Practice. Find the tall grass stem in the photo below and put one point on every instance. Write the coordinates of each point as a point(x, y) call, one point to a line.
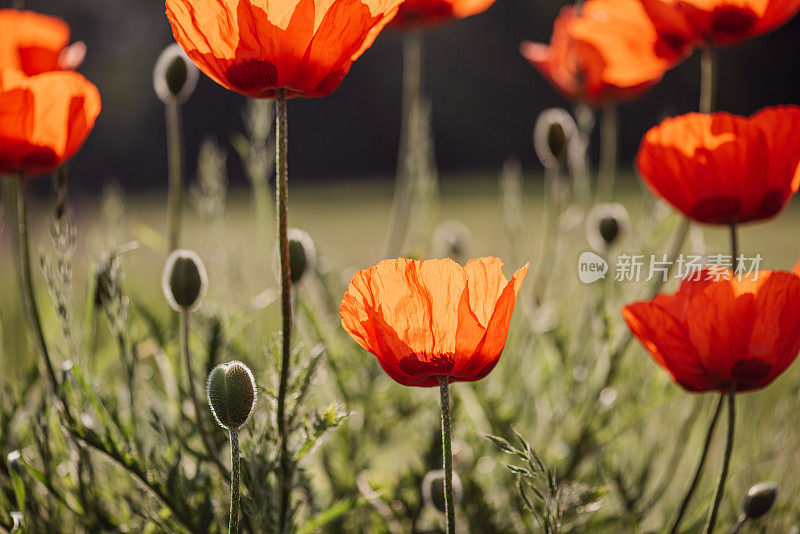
point(28, 296)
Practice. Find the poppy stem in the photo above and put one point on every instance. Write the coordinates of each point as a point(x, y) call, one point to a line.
point(404, 181)
point(447, 455)
point(609, 124)
point(183, 319)
point(28, 297)
point(712, 516)
point(708, 73)
point(175, 189)
point(282, 200)
point(734, 248)
point(700, 464)
point(233, 525)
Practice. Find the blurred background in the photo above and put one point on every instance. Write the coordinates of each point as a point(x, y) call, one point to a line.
point(485, 97)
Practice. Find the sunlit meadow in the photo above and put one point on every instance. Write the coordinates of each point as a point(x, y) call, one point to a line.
point(609, 347)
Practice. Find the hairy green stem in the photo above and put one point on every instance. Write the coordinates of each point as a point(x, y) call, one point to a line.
point(404, 181)
point(734, 248)
point(700, 464)
point(708, 73)
point(282, 200)
point(28, 297)
point(233, 526)
point(447, 455)
point(183, 320)
point(723, 475)
point(609, 125)
point(175, 191)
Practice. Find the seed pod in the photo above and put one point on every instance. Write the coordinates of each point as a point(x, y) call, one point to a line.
point(759, 500)
point(184, 280)
point(452, 239)
point(231, 393)
point(554, 130)
point(433, 489)
point(174, 76)
point(302, 255)
point(606, 224)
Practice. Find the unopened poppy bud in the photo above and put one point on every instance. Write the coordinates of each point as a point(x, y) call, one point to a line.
point(433, 489)
point(606, 224)
point(452, 239)
point(302, 255)
point(231, 392)
point(759, 500)
point(184, 280)
point(13, 461)
point(174, 76)
point(551, 136)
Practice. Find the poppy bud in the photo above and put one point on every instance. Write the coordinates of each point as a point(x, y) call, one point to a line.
point(433, 489)
point(759, 500)
point(231, 392)
point(103, 284)
point(452, 239)
point(13, 461)
point(605, 225)
point(551, 136)
point(184, 280)
point(302, 255)
point(174, 76)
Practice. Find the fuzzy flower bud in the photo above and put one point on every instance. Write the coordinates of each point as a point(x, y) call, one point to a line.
point(184, 280)
point(302, 255)
point(551, 136)
point(606, 224)
point(759, 500)
point(452, 239)
point(174, 76)
point(231, 392)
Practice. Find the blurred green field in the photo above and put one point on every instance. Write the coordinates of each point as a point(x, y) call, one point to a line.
point(645, 426)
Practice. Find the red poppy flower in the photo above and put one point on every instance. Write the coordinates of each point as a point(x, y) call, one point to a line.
point(719, 22)
point(253, 48)
point(44, 119)
point(419, 13)
point(425, 319)
point(609, 52)
point(35, 43)
point(713, 333)
point(721, 168)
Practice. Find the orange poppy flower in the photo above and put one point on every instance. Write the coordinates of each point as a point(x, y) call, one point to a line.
point(719, 22)
point(44, 119)
point(609, 51)
point(721, 168)
point(420, 13)
point(425, 319)
point(713, 333)
point(254, 47)
point(35, 43)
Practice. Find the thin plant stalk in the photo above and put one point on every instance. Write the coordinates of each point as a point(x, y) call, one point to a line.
point(183, 320)
point(175, 155)
point(700, 465)
point(734, 247)
point(609, 126)
point(708, 73)
point(28, 297)
point(282, 200)
point(233, 525)
point(447, 456)
point(723, 475)
point(404, 182)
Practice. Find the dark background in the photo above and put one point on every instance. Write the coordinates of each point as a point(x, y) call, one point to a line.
point(485, 95)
